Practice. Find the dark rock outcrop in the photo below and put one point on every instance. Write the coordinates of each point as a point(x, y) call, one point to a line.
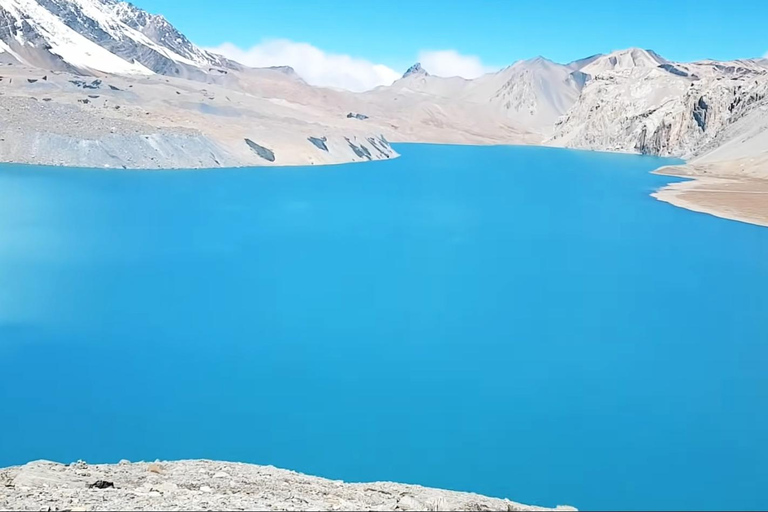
point(361, 151)
point(96, 84)
point(265, 153)
point(672, 69)
point(700, 112)
point(101, 484)
point(319, 143)
point(416, 69)
point(380, 145)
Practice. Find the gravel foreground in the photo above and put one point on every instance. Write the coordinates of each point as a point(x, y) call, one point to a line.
point(208, 485)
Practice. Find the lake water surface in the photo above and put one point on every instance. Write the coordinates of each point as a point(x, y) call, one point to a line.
point(519, 322)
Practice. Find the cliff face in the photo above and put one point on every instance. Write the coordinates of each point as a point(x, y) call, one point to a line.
point(207, 485)
point(681, 110)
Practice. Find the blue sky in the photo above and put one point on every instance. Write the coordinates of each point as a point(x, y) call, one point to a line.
point(393, 33)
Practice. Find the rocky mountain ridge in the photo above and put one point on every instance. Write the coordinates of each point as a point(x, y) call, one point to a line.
point(416, 69)
point(529, 95)
point(168, 96)
point(622, 60)
point(631, 100)
point(107, 36)
point(671, 109)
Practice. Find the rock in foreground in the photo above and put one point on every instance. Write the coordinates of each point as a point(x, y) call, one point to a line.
point(207, 485)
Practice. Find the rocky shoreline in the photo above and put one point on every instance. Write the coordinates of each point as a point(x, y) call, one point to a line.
point(210, 485)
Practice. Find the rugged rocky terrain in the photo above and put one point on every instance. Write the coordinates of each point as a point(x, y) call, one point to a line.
point(163, 102)
point(60, 118)
point(713, 114)
point(207, 485)
point(528, 96)
point(667, 109)
point(101, 83)
point(107, 36)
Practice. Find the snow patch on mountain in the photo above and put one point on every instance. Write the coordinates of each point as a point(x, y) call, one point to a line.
point(28, 29)
point(106, 36)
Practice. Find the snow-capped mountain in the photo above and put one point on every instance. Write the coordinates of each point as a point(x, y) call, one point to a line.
point(107, 36)
point(629, 100)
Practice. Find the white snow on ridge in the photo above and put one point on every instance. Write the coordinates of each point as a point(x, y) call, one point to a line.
point(124, 11)
point(117, 22)
point(94, 11)
point(108, 20)
point(72, 47)
point(144, 40)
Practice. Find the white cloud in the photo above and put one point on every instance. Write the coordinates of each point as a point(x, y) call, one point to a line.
point(451, 63)
point(313, 64)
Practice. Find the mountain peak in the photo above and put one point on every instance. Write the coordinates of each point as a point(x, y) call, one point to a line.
point(107, 36)
point(416, 69)
point(579, 64)
point(288, 70)
point(540, 59)
point(624, 59)
point(538, 62)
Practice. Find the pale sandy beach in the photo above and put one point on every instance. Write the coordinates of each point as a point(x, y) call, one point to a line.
point(742, 198)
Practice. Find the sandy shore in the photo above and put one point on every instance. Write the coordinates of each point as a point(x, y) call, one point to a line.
point(209, 485)
point(734, 198)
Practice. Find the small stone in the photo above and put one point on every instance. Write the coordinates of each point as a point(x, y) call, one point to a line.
point(125, 462)
point(408, 502)
point(101, 484)
point(167, 487)
point(155, 468)
point(221, 474)
point(205, 488)
point(146, 487)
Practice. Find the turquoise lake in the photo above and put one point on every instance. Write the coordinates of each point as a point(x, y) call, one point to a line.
point(514, 321)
